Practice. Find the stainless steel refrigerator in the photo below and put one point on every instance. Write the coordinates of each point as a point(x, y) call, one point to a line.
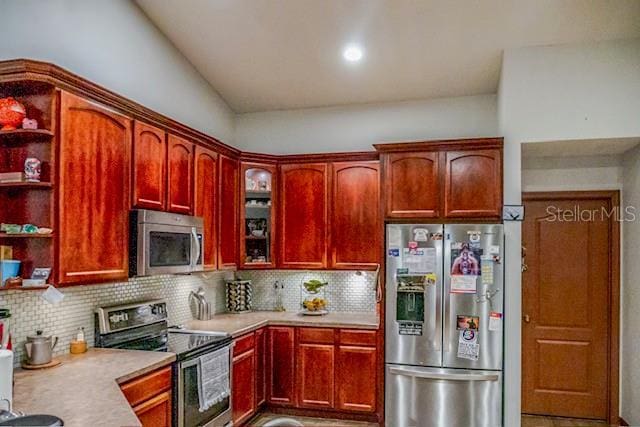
point(444, 325)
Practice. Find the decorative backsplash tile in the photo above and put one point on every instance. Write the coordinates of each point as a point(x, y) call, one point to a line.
point(346, 290)
point(30, 312)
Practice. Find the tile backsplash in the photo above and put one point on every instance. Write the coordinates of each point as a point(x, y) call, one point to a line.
point(29, 311)
point(347, 291)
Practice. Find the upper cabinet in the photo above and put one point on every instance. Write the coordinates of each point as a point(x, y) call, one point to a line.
point(180, 175)
point(355, 215)
point(473, 184)
point(206, 193)
point(412, 185)
point(257, 215)
point(149, 166)
point(303, 215)
point(94, 198)
point(228, 212)
point(455, 179)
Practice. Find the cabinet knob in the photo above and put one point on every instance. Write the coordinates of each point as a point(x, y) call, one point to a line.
point(526, 318)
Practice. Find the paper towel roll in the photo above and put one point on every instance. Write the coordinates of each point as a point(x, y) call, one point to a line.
point(6, 378)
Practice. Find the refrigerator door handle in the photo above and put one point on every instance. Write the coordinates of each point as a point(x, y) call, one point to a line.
point(439, 376)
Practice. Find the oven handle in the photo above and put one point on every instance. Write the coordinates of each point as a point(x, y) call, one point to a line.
point(196, 242)
point(440, 376)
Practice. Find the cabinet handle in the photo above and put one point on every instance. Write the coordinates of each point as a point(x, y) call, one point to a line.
point(526, 318)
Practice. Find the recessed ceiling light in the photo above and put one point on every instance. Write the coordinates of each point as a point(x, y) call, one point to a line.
point(353, 53)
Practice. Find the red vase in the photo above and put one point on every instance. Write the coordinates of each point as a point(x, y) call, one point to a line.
point(11, 113)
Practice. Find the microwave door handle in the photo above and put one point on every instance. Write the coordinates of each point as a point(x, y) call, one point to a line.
point(196, 242)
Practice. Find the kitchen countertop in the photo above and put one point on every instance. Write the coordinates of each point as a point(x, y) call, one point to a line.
point(84, 390)
point(239, 324)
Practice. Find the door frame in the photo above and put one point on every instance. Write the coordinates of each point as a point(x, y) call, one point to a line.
point(613, 362)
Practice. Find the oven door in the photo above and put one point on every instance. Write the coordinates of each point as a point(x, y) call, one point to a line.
point(168, 249)
point(189, 414)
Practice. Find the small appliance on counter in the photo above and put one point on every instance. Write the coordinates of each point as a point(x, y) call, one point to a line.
point(239, 293)
point(202, 306)
point(39, 351)
point(6, 379)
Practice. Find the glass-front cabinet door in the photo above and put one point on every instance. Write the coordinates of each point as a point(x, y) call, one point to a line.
point(257, 215)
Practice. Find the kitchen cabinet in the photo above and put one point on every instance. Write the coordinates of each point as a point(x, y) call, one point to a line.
point(355, 215)
point(281, 362)
point(94, 198)
point(244, 380)
point(150, 397)
point(261, 365)
point(303, 215)
point(206, 195)
point(149, 166)
point(452, 179)
point(180, 175)
point(228, 212)
point(315, 354)
point(257, 215)
point(357, 377)
point(473, 183)
point(412, 185)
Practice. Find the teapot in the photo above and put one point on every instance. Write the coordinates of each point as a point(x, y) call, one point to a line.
point(39, 348)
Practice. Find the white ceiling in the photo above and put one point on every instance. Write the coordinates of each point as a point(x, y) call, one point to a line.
point(282, 54)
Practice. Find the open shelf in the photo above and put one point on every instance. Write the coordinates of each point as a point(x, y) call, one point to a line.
point(255, 237)
point(43, 185)
point(251, 194)
point(25, 236)
point(23, 288)
point(26, 135)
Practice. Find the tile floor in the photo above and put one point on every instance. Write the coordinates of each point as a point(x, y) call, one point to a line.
point(536, 421)
point(527, 421)
point(263, 418)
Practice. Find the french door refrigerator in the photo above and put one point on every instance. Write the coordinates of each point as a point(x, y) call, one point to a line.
point(443, 333)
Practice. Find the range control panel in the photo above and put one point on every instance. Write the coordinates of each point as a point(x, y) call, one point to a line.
point(117, 318)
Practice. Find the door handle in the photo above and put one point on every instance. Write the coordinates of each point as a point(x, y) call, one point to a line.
point(526, 318)
point(196, 242)
point(441, 376)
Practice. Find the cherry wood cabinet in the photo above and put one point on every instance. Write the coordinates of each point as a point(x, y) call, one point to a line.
point(261, 366)
point(412, 185)
point(150, 397)
point(258, 190)
point(473, 183)
point(281, 362)
point(357, 378)
point(355, 215)
point(243, 387)
point(315, 361)
point(149, 166)
point(94, 197)
point(206, 195)
point(180, 175)
point(155, 412)
point(451, 179)
point(228, 212)
point(303, 215)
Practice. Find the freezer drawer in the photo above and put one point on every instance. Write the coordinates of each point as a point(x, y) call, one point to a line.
point(436, 397)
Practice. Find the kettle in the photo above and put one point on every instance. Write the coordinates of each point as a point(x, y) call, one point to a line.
point(40, 348)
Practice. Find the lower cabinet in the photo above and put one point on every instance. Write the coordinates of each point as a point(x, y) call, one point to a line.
point(281, 368)
point(357, 374)
point(150, 397)
point(243, 379)
point(307, 368)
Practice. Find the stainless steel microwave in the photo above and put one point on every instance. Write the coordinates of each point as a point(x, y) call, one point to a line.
point(164, 243)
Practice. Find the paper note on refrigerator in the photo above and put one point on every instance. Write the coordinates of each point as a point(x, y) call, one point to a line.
point(463, 284)
point(468, 347)
point(495, 321)
point(395, 237)
point(487, 273)
point(420, 260)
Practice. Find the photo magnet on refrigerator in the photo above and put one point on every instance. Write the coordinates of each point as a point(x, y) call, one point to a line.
point(495, 321)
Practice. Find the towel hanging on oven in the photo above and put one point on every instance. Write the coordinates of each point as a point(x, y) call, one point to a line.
point(213, 378)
